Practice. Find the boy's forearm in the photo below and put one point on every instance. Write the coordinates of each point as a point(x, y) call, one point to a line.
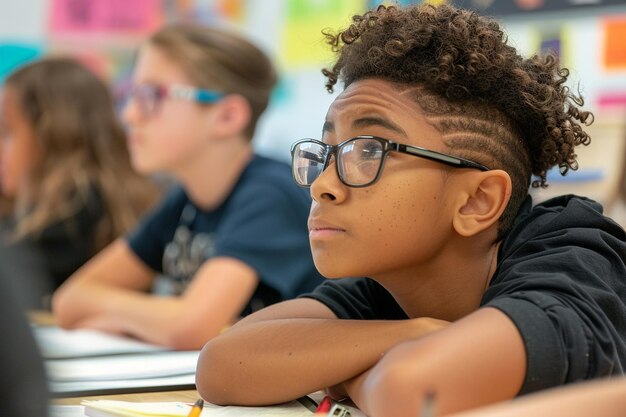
point(91, 291)
point(246, 367)
point(159, 320)
point(76, 302)
point(476, 361)
point(166, 321)
point(181, 322)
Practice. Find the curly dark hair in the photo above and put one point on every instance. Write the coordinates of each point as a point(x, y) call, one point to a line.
point(490, 104)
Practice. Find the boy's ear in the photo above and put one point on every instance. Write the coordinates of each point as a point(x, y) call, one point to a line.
point(233, 114)
point(487, 196)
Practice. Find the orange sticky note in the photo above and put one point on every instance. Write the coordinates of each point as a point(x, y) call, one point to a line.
point(614, 45)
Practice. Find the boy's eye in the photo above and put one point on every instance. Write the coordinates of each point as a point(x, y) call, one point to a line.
point(370, 151)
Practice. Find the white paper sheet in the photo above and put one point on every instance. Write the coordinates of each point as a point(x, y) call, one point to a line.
point(116, 367)
point(57, 343)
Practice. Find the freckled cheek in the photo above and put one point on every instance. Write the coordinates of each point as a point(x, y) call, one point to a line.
point(395, 211)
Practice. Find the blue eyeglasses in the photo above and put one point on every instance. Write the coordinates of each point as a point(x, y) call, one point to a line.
point(149, 96)
point(359, 161)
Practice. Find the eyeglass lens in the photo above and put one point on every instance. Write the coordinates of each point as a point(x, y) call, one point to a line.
point(358, 161)
point(147, 97)
point(308, 162)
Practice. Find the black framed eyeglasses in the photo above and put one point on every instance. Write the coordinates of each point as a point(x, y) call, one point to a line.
point(359, 160)
point(149, 96)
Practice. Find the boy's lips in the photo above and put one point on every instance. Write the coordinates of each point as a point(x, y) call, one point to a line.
point(319, 228)
point(316, 223)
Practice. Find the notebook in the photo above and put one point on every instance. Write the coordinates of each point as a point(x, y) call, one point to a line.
point(122, 386)
point(139, 372)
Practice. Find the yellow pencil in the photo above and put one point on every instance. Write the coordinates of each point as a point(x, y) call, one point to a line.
point(196, 409)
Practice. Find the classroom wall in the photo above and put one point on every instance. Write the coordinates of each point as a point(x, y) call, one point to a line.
point(289, 31)
point(598, 70)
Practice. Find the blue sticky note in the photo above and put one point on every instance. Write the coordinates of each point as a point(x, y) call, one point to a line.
point(14, 55)
point(581, 175)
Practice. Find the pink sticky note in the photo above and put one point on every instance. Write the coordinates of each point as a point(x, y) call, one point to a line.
point(70, 17)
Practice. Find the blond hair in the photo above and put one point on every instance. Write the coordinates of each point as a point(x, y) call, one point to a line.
point(83, 148)
point(219, 60)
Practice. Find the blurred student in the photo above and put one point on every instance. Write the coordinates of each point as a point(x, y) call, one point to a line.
point(65, 164)
point(233, 238)
point(420, 183)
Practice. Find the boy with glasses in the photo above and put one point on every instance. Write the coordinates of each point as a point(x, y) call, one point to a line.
point(232, 238)
point(420, 183)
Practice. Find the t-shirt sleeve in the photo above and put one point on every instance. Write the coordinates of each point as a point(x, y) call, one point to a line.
point(565, 292)
point(156, 229)
point(265, 227)
point(357, 299)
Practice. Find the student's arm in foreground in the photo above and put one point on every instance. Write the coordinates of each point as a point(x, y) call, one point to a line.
point(109, 293)
point(477, 360)
point(294, 348)
point(606, 398)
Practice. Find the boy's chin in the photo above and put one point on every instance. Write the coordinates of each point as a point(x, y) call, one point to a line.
point(330, 272)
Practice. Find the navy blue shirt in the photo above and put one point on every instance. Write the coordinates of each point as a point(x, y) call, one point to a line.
point(263, 223)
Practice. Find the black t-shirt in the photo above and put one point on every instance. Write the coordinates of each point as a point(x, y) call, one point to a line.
point(37, 265)
point(263, 223)
point(561, 278)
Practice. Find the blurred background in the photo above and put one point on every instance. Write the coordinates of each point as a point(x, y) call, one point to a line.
point(588, 35)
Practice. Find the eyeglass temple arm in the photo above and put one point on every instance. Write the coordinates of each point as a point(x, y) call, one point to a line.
point(441, 157)
point(197, 94)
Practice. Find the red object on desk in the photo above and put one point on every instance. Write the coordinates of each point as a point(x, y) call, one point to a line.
point(324, 407)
